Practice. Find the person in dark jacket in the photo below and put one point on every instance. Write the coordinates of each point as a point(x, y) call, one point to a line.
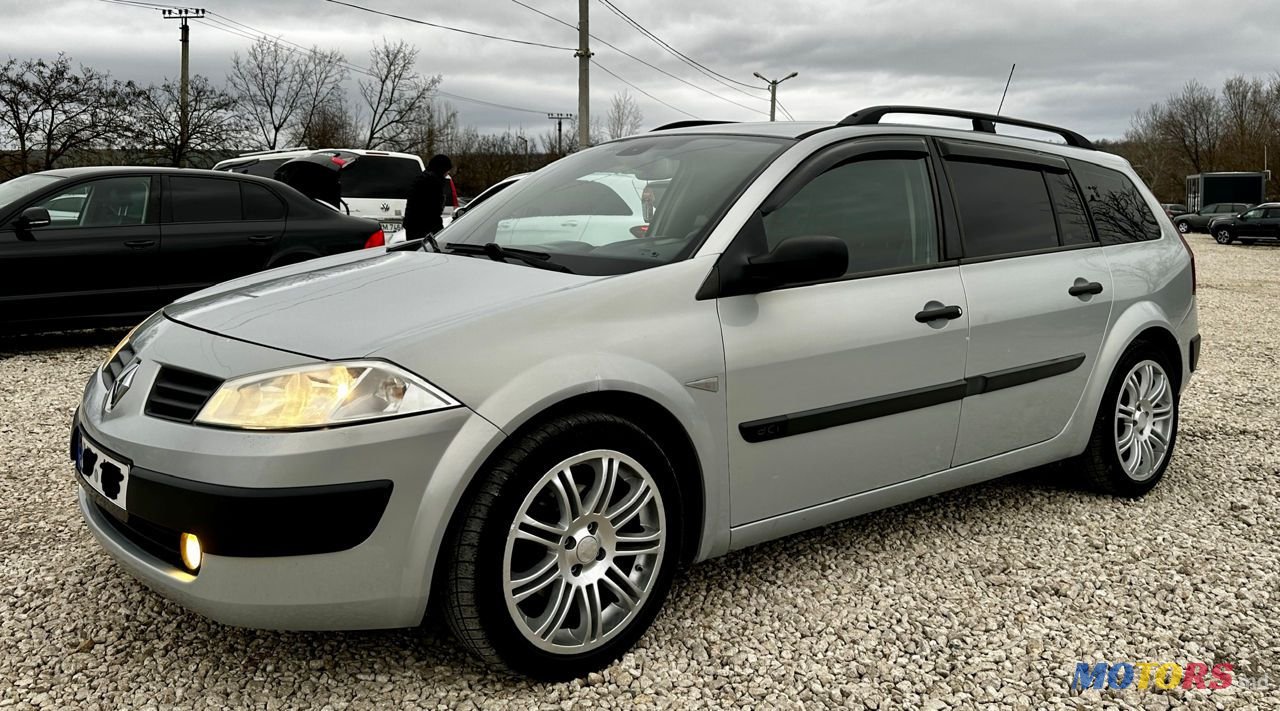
point(426, 201)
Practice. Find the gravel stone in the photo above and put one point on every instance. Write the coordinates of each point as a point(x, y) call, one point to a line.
point(980, 598)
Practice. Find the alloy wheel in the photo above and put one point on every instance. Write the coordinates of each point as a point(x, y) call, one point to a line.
point(1183, 227)
point(584, 551)
point(1144, 420)
point(1222, 237)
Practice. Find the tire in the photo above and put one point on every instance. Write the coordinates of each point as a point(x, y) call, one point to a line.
point(493, 561)
point(1132, 476)
point(1183, 227)
point(1223, 237)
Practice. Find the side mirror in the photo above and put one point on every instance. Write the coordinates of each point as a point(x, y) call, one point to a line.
point(800, 259)
point(33, 217)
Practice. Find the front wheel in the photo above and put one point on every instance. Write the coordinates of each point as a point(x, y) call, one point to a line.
point(1223, 237)
point(567, 549)
point(1183, 227)
point(1137, 426)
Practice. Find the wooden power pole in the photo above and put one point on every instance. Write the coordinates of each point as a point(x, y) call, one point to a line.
point(182, 15)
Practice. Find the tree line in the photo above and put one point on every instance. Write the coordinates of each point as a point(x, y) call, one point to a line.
point(56, 113)
point(1199, 130)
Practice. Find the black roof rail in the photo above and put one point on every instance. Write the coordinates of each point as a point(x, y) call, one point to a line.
point(688, 124)
point(985, 123)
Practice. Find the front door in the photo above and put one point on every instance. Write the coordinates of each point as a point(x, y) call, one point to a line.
point(841, 387)
point(95, 259)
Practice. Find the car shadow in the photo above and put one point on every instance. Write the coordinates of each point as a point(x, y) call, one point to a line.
point(27, 343)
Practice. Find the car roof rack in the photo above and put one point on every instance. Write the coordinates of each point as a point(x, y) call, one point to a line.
point(985, 123)
point(274, 150)
point(688, 124)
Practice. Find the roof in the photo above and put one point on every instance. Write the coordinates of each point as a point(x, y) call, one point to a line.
point(128, 169)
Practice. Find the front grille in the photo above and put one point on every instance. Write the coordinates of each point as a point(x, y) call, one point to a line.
point(179, 395)
point(116, 365)
point(158, 541)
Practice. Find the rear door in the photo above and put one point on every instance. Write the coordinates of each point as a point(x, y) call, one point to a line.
point(376, 186)
point(206, 238)
point(96, 258)
point(1039, 293)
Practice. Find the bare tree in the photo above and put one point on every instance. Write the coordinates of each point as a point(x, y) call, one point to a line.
point(19, 117)
point(624, 117)
point(213, 122)
point(332, 126)
point(394, 95)
point(1192, 121)
point(322, 74)
point(269, 87)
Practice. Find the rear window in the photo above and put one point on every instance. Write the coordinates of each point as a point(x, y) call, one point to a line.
point(204, 200)
point(1119, 212)
point(380, 177)
point(1003, 209)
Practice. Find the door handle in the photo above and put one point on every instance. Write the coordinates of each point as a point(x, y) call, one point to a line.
point(947, 312)
point(1091, 287)
point(261, 238)
point(140, 243)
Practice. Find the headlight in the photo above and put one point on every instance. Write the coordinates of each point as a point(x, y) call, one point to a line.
point(321, 395)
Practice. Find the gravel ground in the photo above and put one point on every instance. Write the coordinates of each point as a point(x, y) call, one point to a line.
point(981, 597)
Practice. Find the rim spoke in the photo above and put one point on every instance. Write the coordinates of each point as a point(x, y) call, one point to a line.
point(630, 544)
point(598, 497)
point(636, 500)
point(623, 588)
point(1162, 411)
point(1147, 457)
point(1126, 413)
point(568, 492)
point(1146, 376)
point(546, 574)
point(592, 612)
point(558, 610)
point(531, 529)
point(1158, 388)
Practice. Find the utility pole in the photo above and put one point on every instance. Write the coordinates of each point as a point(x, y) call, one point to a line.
point(584, 79)
point(559, 119)
point(773, 92)
point(182, 15)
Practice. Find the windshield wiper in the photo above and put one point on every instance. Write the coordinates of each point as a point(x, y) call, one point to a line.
point(498, 253)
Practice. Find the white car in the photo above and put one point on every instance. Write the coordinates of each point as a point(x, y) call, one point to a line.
point(374, 187)
point(455, 212)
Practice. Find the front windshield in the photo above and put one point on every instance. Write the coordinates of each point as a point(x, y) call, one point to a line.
point(13, 190)
point(622, 206)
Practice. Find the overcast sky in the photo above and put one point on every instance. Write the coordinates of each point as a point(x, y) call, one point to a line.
point(1086, 64)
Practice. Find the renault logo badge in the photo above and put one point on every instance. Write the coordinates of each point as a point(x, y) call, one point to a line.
point(121, 386)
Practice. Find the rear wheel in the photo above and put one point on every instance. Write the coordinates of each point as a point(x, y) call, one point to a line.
point(567, 550)
point(1137, 426)
point(1183, 227)
point(1223, 237)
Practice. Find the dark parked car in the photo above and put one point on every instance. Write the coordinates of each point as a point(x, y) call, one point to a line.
point(1198, 221)
point(1258, 223)
point(104, 246)
point(1174, 209)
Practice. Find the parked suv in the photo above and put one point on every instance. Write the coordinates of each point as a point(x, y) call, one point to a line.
point(375, 186)
point(821, 320)
point(1199, 220)
point(1260, 222)
point(107, 246)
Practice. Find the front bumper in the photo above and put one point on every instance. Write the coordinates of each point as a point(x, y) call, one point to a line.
point(327, 529)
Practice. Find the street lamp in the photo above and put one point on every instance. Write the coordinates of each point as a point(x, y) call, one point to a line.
point(773, 91)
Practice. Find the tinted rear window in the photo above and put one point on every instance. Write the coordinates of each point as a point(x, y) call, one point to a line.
point(1068, 207)
point(260, 203)
point(204, 200)
point(379, 177)
point(1003, 209)
point(1119, 212)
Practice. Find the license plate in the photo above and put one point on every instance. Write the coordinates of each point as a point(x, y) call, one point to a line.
point(389, 227)
point(103, 473)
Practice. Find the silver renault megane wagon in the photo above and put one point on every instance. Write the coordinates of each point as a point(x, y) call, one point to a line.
point(565, 405)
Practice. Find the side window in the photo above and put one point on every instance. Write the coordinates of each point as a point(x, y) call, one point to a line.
point(204, 200)
point(1118, 210)
point(881, 208)
point(260, 203)
point(110, 202)
point(581, 197)
point(1253, 214)
point(1068, 207)
point(1003, 209)
point(1273, 213)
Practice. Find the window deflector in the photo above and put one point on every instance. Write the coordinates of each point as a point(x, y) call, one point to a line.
point(833, 156)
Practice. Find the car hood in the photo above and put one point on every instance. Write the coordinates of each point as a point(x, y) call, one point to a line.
point(349, 308)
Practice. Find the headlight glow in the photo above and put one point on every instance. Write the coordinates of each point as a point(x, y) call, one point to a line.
point(321, 395)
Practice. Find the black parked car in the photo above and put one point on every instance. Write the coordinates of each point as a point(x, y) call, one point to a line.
point(1198, 221)
point(1261, 222)
point(105, 246)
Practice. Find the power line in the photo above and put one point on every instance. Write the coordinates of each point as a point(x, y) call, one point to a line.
point(786, 113)
point(452, 29)
point(642, 91)
point(647, 64)
point(711, 73)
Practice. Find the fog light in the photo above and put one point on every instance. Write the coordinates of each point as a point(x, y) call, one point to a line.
point(191, 553)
